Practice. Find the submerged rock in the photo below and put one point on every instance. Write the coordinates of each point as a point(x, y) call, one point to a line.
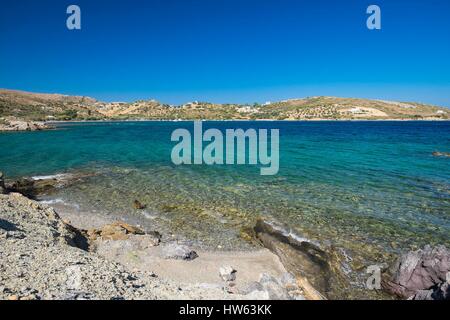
point(441, 154)
point(420, 274)
point(247, 234)
point(138, 205)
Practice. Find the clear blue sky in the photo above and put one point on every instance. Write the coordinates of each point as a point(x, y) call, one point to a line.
point(228, 50)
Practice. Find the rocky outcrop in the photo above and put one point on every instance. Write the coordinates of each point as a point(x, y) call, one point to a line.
point(441, 154)
point(33, 187)
point(2, 184)
point(18, 125)
point(301, 257)
point(421, 274)
point(438, 292)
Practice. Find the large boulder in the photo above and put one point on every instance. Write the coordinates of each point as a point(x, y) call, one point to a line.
point(421, 274)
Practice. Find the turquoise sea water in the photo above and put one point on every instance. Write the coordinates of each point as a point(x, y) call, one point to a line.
point(370, 188)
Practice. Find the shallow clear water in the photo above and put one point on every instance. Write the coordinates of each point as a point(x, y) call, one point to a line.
point(371, 188)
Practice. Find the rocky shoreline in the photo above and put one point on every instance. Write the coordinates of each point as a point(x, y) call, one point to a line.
point(73, 255)
point(21, 125)
point(44, 256)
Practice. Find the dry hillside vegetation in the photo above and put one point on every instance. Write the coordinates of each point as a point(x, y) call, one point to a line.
point(45, 107)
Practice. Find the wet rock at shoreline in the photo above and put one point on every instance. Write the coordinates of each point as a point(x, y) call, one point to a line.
point(421, 274)
point(33, 187)
point(300, 257)
point(178, 252)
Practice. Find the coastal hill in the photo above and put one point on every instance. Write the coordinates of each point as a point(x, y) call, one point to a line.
point(19, 105)
point(36, 106)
